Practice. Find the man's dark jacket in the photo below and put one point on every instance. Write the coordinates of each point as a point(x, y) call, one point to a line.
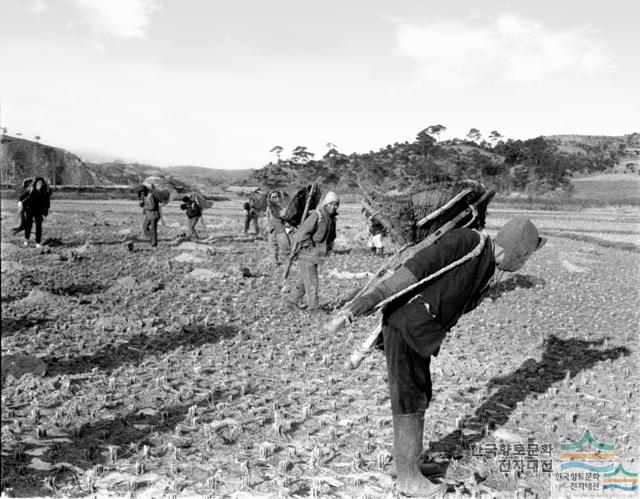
point(151, 206)
point(192, 208)
point(423, 319)
point(34, 201)
point(317, 233)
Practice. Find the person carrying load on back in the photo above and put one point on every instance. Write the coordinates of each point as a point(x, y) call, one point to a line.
point(34, 202)
point(251, 216)
point(193, 212)
point(26, 183)
point(150, 205)
point(416, 318)
point(376, 235)
point(313, 242)
point(278, 238)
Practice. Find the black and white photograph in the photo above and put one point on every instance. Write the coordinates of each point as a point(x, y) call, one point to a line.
point(320, 249)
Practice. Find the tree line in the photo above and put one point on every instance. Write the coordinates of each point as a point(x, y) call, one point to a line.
point(532, 166)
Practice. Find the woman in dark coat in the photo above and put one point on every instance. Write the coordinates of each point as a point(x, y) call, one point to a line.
point(35, 205)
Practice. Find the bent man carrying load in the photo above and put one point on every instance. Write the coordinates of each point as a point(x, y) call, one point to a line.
point(417, 317)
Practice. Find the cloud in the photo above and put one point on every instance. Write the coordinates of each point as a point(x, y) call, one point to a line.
point(37, 7)
point(120, 19)
point(508, 48)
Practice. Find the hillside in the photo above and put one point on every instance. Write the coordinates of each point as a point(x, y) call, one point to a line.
point(208, 180)
point(608, 187)
point(624, 150)
point(117, 173)
point(587, 142)
point(21, 158)
point(534, 166)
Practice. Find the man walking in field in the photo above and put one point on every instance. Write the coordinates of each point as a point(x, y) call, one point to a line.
point(278, 238)
point(150, 205)
point(415, 323)
point(313, 242)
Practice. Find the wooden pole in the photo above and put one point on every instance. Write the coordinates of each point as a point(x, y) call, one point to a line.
point(312, 191)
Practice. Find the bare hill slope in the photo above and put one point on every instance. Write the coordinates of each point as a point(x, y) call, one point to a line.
point(208, 180)
point(21, 158)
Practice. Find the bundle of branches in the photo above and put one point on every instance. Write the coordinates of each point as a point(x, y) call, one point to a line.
point(201, 200)
point(417, 221)
point(258, 201)
point(164, 188)
point(295, 209)
point(411, 217)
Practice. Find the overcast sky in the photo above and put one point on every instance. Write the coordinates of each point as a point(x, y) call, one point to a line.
point(213, 83)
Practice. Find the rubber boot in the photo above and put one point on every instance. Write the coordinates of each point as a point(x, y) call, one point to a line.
point(407, 452)
point(429, 469)
point(381, 252)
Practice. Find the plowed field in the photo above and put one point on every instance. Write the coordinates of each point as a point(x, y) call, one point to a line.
point(177, 372)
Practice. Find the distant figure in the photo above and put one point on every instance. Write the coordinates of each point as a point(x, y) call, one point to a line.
point(193, 215)
point(150, 205)
point(251, 215)
point(377, 233)
point(34, 204)
point(278, 237)
point(26, 183)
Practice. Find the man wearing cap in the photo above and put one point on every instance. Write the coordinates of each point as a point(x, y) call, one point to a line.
point(415, 324)
point(278, 237)
point(314, 240)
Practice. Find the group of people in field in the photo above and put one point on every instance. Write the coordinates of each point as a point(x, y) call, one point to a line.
point(151, 210)
point(421, 301)
point(312, 241)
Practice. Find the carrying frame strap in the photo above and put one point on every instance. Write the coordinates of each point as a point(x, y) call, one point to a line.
point(472, 254)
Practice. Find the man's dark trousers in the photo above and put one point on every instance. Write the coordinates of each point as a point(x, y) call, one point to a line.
point(150, 229)
point(408, 375)
point(192, 227)
point(28, 223)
